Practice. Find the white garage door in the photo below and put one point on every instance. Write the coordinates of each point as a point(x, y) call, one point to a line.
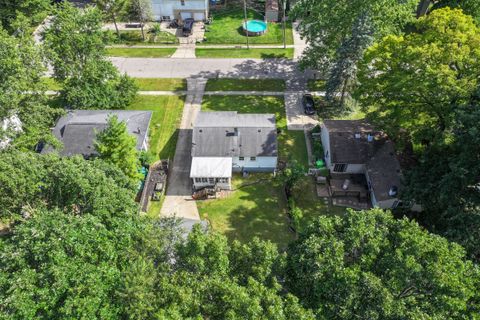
point(199, 16)
point(185, 15)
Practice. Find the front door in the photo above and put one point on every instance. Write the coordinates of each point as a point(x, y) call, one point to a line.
point(185, 15)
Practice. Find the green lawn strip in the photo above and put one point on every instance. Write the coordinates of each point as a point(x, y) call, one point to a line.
point(316, 85)
point(141, 52)
point(160, 84)
point(167, 113)
point(134, 37)
point(225, 84)
point(154, 207)
point(245, 53)
point(226, 28)
point(256, 210)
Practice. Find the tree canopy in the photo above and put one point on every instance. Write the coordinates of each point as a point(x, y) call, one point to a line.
point(369, 265)
point(415, 82)
point(76, 48)
point(33, 10)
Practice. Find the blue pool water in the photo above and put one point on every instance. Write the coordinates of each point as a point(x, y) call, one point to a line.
point(255, 26)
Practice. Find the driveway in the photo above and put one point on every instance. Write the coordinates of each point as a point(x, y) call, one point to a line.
point(178, 200)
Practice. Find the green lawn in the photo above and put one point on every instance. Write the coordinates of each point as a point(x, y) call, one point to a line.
point(144, 84)
point(141, 52)
point(316, 85)
point(226, 84)
point(254, 210)
point(134, 37)
point(226, 28)
point(245, 53)
point(160, 84)
point(167, 113)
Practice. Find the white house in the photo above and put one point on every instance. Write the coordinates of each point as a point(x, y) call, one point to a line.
point(226, 142)
point(355, 147)
point(180, 9)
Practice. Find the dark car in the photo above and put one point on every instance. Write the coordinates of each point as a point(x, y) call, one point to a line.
point(308, 104)
point(187, 26)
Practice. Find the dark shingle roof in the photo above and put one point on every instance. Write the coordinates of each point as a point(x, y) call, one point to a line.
point(77, 129)
point(378, 155)
point(228, 134)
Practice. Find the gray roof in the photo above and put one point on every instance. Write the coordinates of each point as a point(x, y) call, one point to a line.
point(229, 134)
point(77, 129)
point(378, 155)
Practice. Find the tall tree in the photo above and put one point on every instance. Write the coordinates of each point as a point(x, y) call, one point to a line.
point(414, 82)
point(21, 91)
point(343, 73)
point(326, 25)
point(76, 49)
point(368, 265)
point(140, 11)
point(34, 10)
point(446, 181)
point(113, 9)
point(116, 146)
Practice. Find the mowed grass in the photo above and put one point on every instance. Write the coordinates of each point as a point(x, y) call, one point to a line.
point(134, 37)
point(167, 113)
point(255, 53)
point(160, 84)
point(141, 52)
point(143, 84)
point(226, 28)
point(226, 84)
point(256, 210)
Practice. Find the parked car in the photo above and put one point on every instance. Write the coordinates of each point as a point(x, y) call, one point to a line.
point(308, 104)
point(187, 27)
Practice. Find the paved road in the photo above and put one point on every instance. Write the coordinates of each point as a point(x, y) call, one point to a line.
point(209, 68)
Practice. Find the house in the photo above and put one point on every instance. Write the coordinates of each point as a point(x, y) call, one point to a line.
point(180, 9)
point(78, 128)
point(226, 142)
point(355, 147)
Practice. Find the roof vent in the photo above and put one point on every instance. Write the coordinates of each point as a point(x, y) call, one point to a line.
point(357, 135)
point(393, 191)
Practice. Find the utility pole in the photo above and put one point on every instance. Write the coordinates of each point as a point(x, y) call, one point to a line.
point(284, 4)
point(245, 23)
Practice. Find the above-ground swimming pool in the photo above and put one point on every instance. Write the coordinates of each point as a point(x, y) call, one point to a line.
point(255, 27)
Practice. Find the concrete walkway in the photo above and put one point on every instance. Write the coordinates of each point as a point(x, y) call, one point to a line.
point(178, 200)
point(185, 51)
point(299, 43)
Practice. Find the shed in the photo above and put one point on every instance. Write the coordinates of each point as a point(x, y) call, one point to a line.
point(271, 10)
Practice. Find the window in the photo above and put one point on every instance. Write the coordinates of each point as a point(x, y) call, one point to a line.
point(204, 180)
point(198, 180)
point(211, 180)
point(222, 180)
point(241, 158)
point(340, 167)
point(253, 158)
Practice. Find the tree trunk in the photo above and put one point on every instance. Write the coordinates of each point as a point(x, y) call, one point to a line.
point(143, 33)
point(344, 91)
point(422, 7)
point(115, 23)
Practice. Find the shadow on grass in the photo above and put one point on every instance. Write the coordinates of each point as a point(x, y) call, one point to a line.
point(168, 150)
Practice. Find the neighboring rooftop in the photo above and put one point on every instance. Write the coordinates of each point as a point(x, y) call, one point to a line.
point(78, 128)
point(229, 134)
point(358, 142)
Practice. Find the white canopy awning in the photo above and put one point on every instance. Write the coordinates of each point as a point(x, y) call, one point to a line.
point(211, 167)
